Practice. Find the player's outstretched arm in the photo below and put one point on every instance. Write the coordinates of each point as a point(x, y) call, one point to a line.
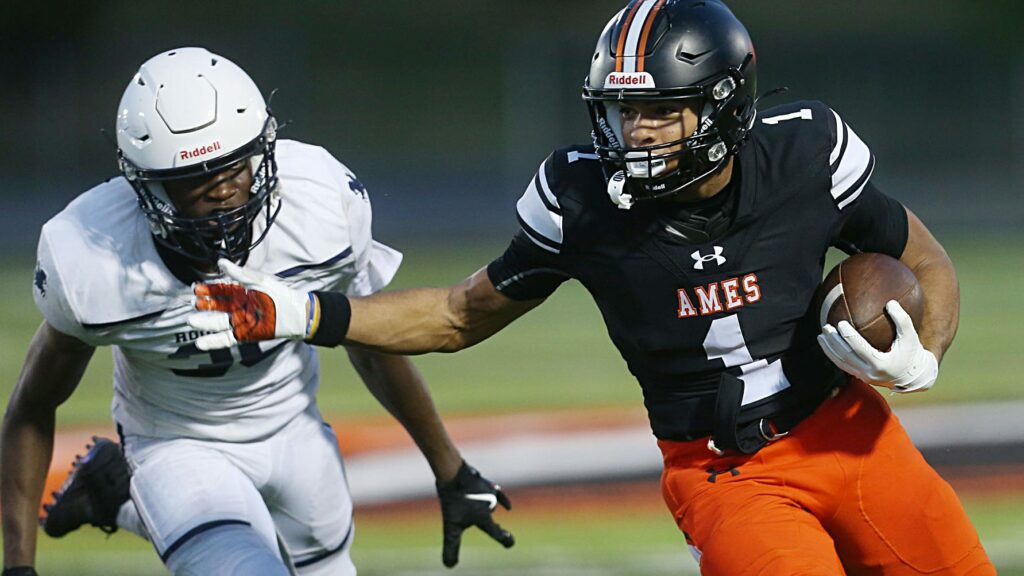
point(53, 367)
point(466, 501)
point(434, 319)
point(416, 321)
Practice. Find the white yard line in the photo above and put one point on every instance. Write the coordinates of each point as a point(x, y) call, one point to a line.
point(521, 459)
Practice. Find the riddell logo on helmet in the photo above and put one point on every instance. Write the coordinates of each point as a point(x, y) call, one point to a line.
point(201, 151)
point(629, 80)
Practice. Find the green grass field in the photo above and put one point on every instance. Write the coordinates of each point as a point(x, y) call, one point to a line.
point(557, 356)
point(643, 543)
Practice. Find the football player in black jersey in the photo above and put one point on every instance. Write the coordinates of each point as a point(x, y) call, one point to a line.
point(699, 225)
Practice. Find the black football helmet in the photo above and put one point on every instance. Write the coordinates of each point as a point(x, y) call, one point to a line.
point(671, 50)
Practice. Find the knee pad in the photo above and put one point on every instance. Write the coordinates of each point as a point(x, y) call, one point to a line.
point(229, 549)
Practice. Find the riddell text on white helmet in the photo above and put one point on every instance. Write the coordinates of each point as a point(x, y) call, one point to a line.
point(200, 151)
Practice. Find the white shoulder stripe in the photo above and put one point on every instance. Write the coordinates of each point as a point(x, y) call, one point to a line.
point(840, 138)
point(538, 239)
point(543, 177)
point(853, 163)
point(858, 186)
point(539, 214)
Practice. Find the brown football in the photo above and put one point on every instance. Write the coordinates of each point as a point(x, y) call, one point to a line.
point(857, 289)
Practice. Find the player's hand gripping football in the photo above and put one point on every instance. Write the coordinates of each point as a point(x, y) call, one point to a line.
point(906, 367)
point(469, 500)
point(258, 307)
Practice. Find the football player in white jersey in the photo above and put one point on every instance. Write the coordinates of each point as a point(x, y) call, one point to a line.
point(233, 470)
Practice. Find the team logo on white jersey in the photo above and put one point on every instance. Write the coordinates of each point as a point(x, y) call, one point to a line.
point(40, 280)
point(700, 259)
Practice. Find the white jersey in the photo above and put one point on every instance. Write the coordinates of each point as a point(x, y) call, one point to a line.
point(100, 279)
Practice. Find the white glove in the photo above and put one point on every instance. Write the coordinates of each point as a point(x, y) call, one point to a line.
point(906, 367)
point(259, 307)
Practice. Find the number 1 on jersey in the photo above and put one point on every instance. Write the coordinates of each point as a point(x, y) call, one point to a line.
point(801, 114)
point(725, 341)
point(761, 378)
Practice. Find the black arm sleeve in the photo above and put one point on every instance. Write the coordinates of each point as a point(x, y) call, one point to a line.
point(526, 271)
point(874, 223)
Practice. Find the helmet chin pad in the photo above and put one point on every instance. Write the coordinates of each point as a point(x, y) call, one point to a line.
point(644, 166)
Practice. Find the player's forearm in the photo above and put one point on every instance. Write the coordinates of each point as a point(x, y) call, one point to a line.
point(25, 452)
point(399, 387)
point(406, 322)
point(937, 276)
point(433, 319)
point(53, 367)
point(941, 304)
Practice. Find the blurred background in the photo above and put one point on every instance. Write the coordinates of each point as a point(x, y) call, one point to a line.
point(445, 109)
point(449, 106)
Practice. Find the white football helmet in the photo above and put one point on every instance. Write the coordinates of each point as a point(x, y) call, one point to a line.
point(188, 113)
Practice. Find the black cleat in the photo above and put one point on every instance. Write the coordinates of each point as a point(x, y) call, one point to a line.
point(93, 492)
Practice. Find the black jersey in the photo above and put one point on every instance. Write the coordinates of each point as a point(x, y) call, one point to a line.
point(682, 314)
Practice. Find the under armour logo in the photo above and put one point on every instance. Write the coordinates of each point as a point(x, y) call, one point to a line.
point(713, 474)
point(700, 259)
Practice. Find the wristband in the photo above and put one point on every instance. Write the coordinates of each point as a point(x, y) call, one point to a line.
point(313, 318)
point(334, 312)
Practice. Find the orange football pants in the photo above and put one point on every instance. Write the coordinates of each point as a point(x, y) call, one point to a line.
point(846, 492)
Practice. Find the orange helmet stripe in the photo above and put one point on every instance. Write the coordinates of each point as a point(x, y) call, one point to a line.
point(641, 48)
point(623, 33)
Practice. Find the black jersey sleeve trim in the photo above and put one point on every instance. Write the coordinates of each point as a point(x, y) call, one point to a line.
point(875, 223)
point(523, 276)
point(525, 271)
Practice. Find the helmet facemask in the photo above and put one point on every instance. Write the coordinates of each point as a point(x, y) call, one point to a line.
point(229, 234)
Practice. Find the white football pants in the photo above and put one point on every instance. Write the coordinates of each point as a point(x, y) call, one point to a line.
point(282, 501)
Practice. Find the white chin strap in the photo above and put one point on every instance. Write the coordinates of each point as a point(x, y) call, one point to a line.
point(616, 189)
point(640, 169)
